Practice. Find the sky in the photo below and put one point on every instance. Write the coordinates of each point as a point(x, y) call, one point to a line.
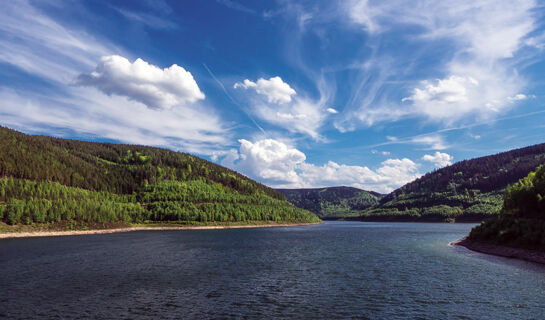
point(363, 93)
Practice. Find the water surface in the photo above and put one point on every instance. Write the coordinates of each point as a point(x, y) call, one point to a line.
point(334, 270)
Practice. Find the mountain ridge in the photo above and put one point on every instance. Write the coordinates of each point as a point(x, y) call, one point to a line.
point(468, 190)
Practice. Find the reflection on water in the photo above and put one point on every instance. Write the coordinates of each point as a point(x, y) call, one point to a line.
point(335, 270)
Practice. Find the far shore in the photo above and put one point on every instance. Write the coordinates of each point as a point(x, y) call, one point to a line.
point(502, 251)
point(144, 228)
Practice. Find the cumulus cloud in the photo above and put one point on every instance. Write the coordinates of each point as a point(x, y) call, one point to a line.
point(140, 81)
point(267, 159)
point(436, 100)
point(457, 96)
point(439, 159)
point(276, 90)
point(392, 174)
point(332, 111)
point(280, 165)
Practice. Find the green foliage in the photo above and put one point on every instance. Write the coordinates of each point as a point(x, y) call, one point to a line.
point(29, 202)
point(526, 198)
point(522, 219)
point(474, 186)
point(333, 201)
point(46, 180)
point(115, 168)
point(433, 213)
point(512, 231)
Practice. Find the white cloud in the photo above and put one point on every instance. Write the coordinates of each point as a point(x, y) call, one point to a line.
point(297, 114)
point(301, 116)
point(276, 90)
point(491, 28)
point(88, 112)
point(267, 159)
point(56, 53)
point(454, 97)
point(235, 6)
point(436, 100)
point(518, 97)
point(39, 45)
point(439, 159)
point(277, 164)
point(432, 141)
point(140, 81)
point(384, 153)
point(481, 46)
point(149, 20)
point(332, 111)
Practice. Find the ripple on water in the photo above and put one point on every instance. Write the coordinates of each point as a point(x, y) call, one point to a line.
point(334, 270)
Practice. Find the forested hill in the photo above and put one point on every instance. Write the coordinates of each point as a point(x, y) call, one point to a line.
point(332, 202)
point(467, 190)
point(41, 177)
point(116, 168)
point(521, 222)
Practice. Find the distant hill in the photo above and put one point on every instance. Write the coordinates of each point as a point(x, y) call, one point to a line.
point(467, 190)
point(79, 184)
point(332, 202)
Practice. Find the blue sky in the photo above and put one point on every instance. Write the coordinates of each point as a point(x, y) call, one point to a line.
point(370, 94)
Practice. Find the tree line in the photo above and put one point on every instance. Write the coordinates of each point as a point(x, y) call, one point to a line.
point(476, 187)
point(28, 202)
point(115, 168)
point(521, 222)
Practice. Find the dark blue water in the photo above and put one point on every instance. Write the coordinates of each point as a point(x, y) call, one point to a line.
point(336, 270)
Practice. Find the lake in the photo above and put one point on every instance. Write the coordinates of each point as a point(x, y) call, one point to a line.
point(335, 270)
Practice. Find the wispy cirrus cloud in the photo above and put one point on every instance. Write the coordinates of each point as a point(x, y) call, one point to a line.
point(90, 113)
point(284, 108)
point(482, 44)
point(236, 6)
point(149, 20)
point(430, 141)
point(133, 102)
point(34, 42)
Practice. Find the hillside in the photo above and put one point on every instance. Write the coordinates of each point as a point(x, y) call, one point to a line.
point(77, 184)
point(331, 202)
point(469, 190)
point(521, 222)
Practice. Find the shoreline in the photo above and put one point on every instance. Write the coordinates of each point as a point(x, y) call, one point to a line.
point(141, 228)
point(501, 251)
